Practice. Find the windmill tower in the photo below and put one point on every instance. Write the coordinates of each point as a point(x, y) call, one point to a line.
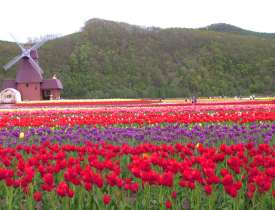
point(29, 77)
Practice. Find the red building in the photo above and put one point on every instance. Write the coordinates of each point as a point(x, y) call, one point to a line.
point(29, 80)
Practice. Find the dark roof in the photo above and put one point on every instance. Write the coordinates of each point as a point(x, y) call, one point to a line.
point(8, 84)
point(49, 84)
point(27, 74)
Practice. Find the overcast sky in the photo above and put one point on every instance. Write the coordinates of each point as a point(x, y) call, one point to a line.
point(35, 18)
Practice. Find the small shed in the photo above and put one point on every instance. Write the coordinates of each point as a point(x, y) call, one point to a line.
point(51, 89)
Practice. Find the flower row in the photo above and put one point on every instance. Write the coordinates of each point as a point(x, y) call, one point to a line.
point(92, 117)
point(143, 176)
point(207, 134)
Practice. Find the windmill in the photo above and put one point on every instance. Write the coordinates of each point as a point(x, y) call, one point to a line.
point(29, 54)
point(29, 80)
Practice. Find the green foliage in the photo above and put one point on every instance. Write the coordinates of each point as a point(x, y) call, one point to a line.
point(108, 59)
point(223, 27)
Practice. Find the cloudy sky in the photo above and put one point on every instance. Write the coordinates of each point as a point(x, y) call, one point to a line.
point(34, 18)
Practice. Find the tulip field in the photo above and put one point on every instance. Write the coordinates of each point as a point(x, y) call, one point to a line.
point(124, 155)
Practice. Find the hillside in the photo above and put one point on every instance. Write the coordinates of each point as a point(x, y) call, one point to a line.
point(110, 59)
point(223, 27)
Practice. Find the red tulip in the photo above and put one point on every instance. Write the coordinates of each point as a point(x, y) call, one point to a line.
point(208, 189)
point(174, 194)
point(48, 179)
point(88, 186)
point(168, 204)
point(62, 189)
point(106, 199)
point(227, 180)
point(37, 196)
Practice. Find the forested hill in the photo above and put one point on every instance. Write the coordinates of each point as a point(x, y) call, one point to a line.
point(223, 27)
point(110, 59)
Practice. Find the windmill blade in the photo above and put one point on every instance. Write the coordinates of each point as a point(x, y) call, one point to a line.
point(12, 62)
point(38, 44)
point(19, 45)
point(35, 66)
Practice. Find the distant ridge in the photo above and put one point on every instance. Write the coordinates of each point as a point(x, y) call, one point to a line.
point(227, 28)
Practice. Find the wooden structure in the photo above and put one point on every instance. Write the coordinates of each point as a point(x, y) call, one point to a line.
point(29, 80)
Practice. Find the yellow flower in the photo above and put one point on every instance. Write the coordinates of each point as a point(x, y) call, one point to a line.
point(197, 145)
point(145, 155)
point(21, 135)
